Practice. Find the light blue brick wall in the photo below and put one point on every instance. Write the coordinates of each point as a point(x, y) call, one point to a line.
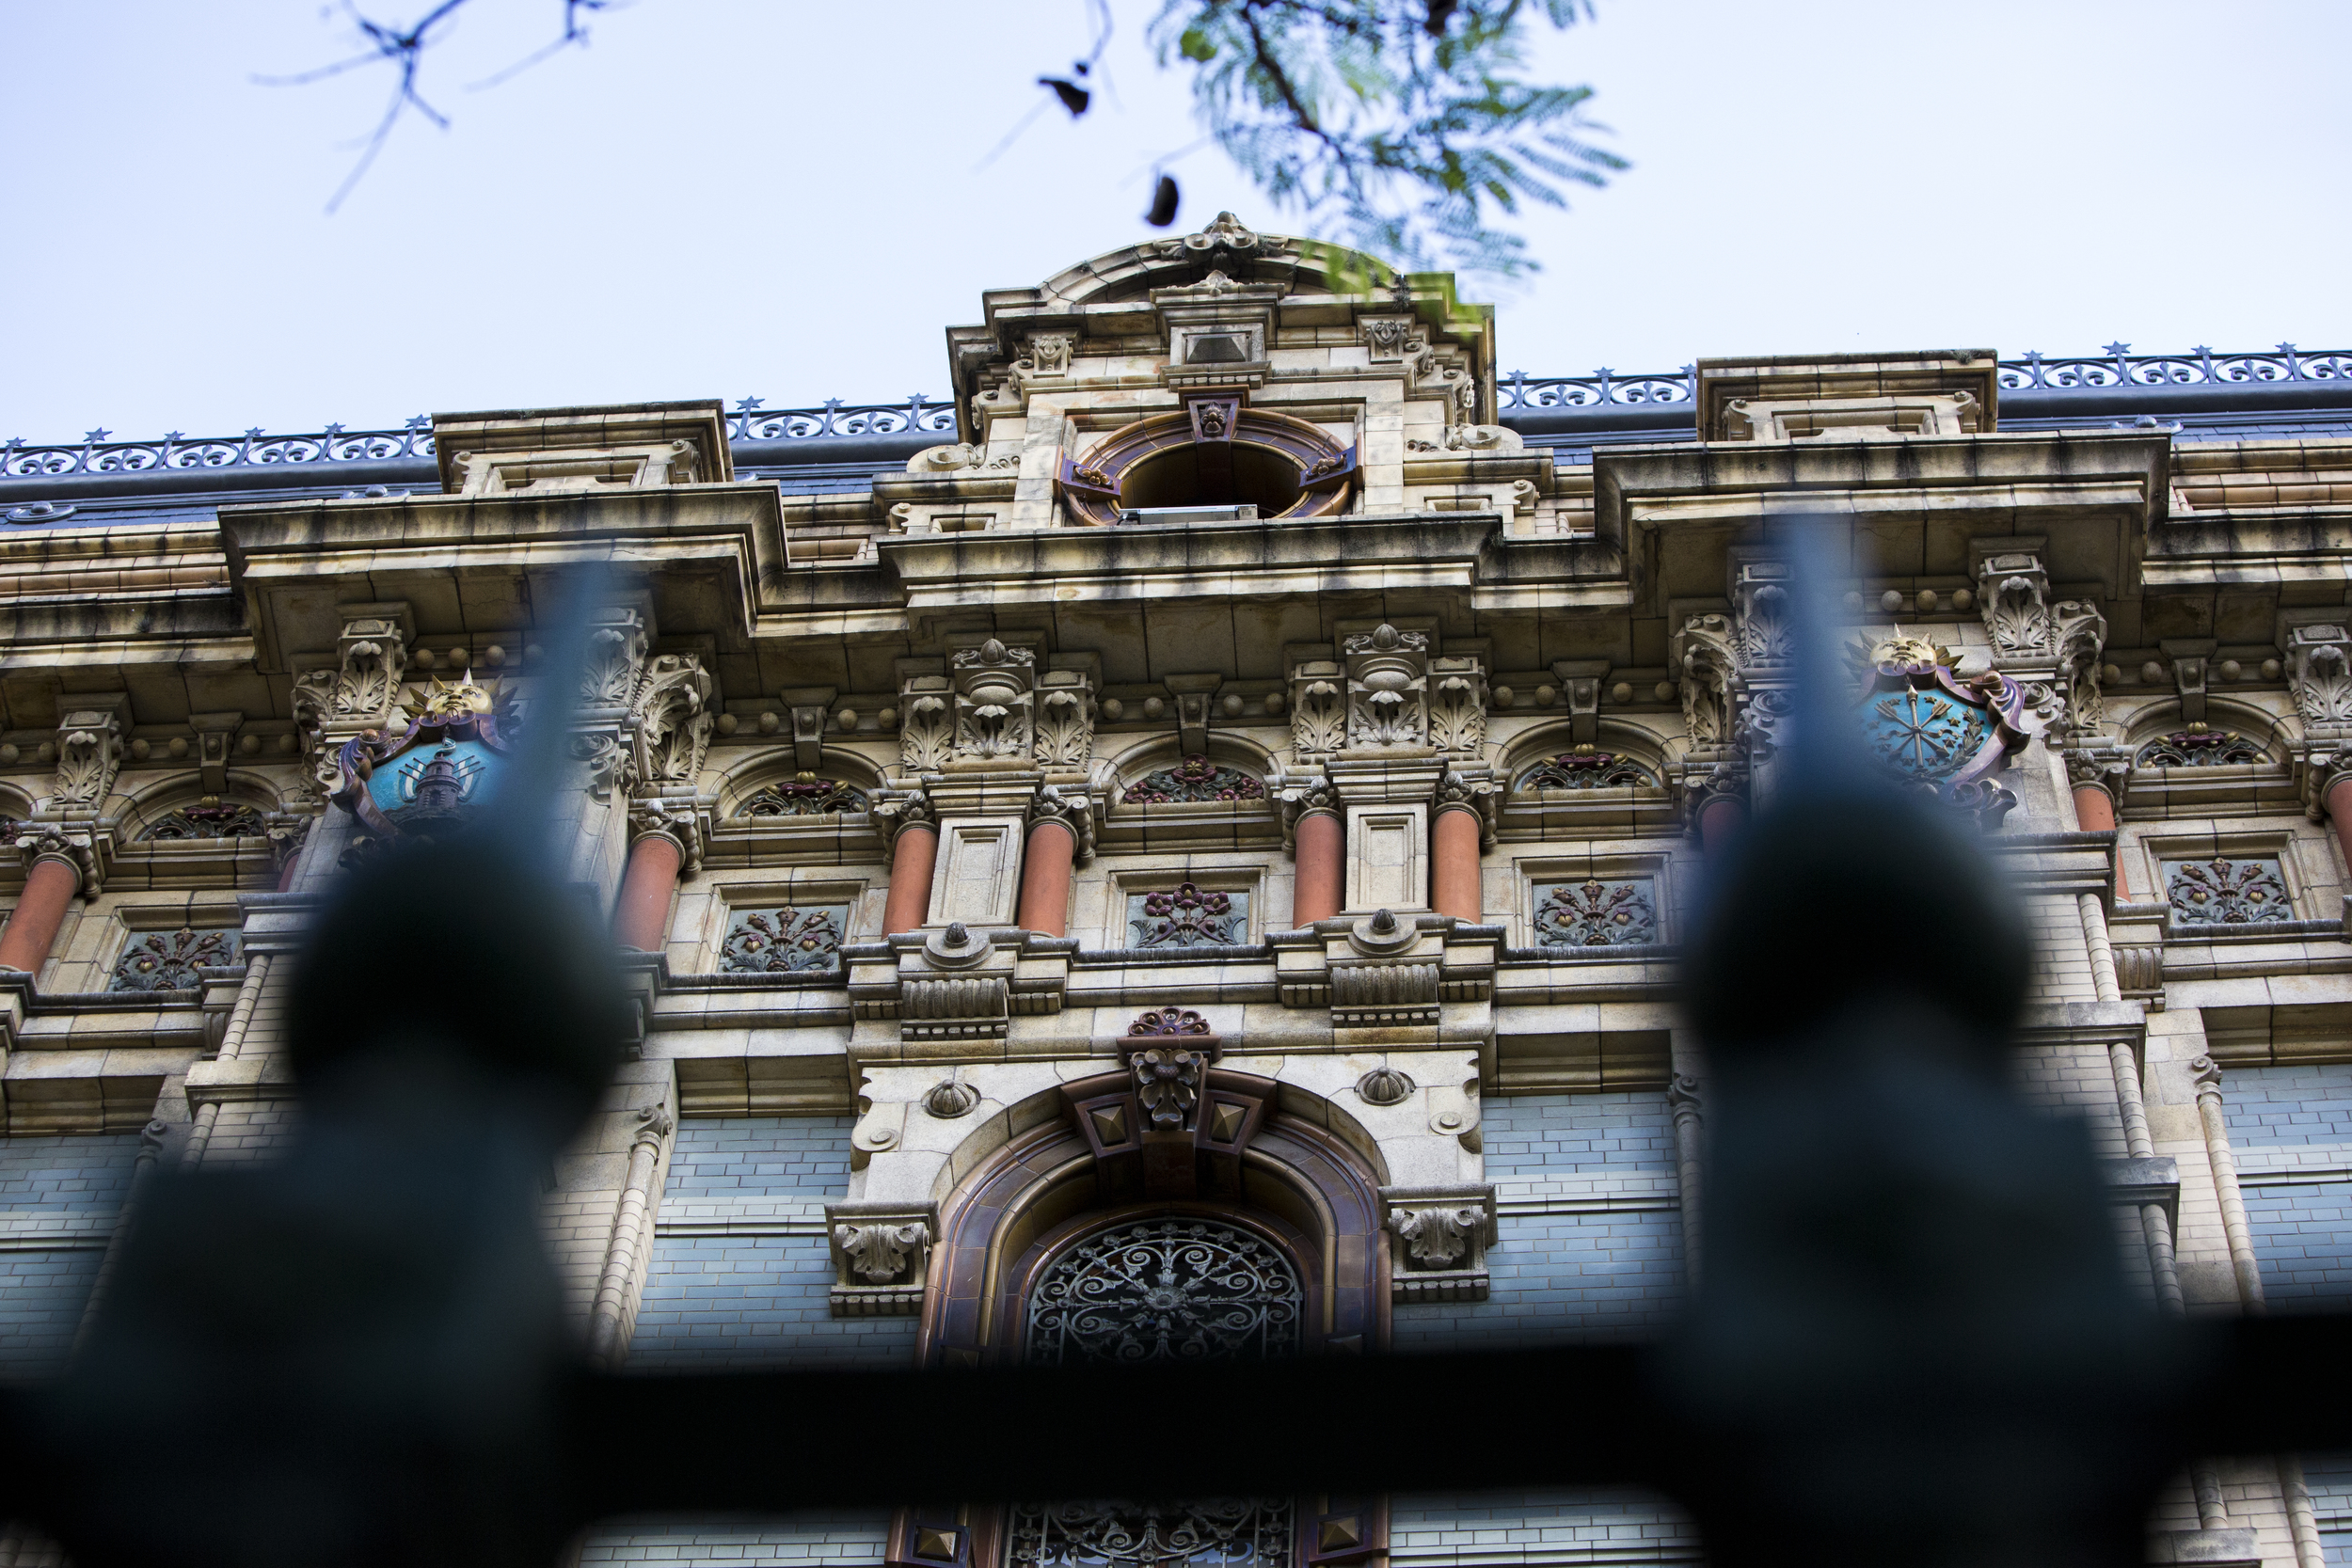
point(44, 1288)
point(761, 1157)
point(2292, 1130)
point(1555, 1134)
point(1482, 1529)
point(1616, 1274)
point(716, 1302)
point(833, 1537)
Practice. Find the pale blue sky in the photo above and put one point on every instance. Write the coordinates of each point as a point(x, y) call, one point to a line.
point(781, 198)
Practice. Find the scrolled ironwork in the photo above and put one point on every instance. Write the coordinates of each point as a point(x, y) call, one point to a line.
point(1193, 781)
point(216, 819)
point(751, 421)
point(1165, 1290)
point(1224, 1532)
point(2202, 749)
point(168, 961)
point(2199, 367)
point(803, 797)
point(1587, 769)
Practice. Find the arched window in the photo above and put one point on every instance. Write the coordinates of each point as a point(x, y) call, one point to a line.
point(1168, 1289)
point(1164, 1290)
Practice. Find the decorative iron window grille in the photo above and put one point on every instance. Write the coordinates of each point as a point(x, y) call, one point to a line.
point(806, 797)
point(168, 961)
point(1165, 1290)
point(2223, 891)
point(784, 940)
point(1186, 916)
point(2201, 749)
point(1195, 780)
point(1224, 1532)
point(1594, 913)
point(214, 821)
point(1160, 1290)
point(1588, 769)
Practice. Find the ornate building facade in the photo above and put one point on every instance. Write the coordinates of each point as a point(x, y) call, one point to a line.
point(1180, 850)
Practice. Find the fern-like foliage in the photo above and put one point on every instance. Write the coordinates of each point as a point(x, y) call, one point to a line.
point(1406, 130)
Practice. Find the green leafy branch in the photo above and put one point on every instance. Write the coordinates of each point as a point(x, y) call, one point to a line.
point(1406, 132)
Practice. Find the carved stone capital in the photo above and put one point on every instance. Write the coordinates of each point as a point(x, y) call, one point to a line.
point(611, 759)
point(1476, 789)
point(654, 1126)
point(893, 811)
point(1706, 658)
point(1440, 1237)
point(880, 1256)
point(86, 852)
point(1074, 809)
point(679, 821)
point(2105, 769)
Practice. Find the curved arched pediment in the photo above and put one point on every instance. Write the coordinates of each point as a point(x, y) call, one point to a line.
point(2229, 735)
point(1216, 452)
point(1548, 759)
point(771, 786)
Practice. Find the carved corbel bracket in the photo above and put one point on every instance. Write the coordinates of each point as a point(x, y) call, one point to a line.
point(1065, 713)
point(672, 710)
point(994, 687)
point(90, 755)
point(881, 1254)
point(1706, 652)
point(215, 738)
point(2013, 599)
point(2319, 674)
point(2188, 659)
point(1388, 689)
point(1581, 682)
point(1438, 1240)
point(615, 657)
point(1193, 694)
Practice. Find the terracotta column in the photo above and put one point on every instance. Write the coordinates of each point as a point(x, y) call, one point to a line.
point(641, 915)
point(2094, 812)
point(1720, 818)
point(2338, 801)
point(1046, 878)
point(1453, 882)
point(1322, 868)
point(912, 857)
point(32, 929)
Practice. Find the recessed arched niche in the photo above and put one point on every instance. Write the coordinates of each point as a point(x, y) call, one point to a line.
point(1218, 452)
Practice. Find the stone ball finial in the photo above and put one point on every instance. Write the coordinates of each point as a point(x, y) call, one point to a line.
point(1385, 638)
point(956, 936)
point(1383, 922)
point(1383, 1085)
